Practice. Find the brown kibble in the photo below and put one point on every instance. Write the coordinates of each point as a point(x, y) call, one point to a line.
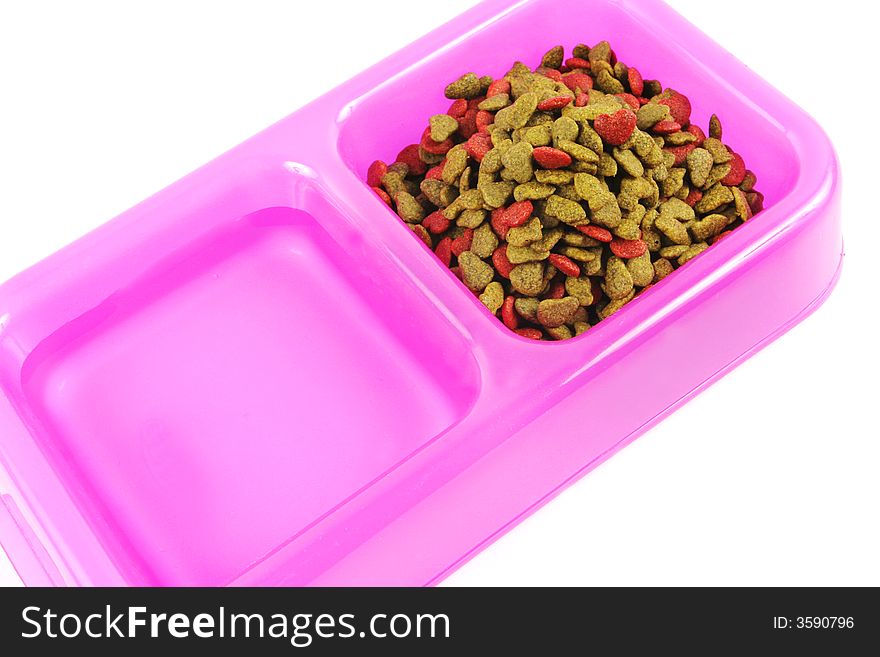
point(475, 273)
point(650, 115)
point(692, 251)
point(517, 115)
point(580, 288)
point(553, 58)
point(467, 86)
point(641, 269)
point(525, 234)
point(528, 278)
point(443, 127)
point(409, 209)
point(527, 308)
point(556, 312)
point(456, 162)
point(699, 164)
point(708, 227)
point(532, 191)
point(559, 332)
point(495, 103)
point(569, 212)
point(714, 127)
point(662, 269)
point(716, 197)
point(438, 192)
point(719, 151)
point(614, 305)
point(618, 280)
point(493, 296)
point(484, 241)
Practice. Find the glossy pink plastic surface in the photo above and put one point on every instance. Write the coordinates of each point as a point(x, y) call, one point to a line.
point(260, 376)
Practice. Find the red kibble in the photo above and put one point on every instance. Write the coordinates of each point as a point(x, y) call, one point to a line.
point(551, 73)
point(554, 103)
point(467, 125)
point(577, 62)
point(693, 196)
point(628, 248)
point(630, 100)
point(462, 243)
point(456, 271)
point(680, 152)
point(595, 290)
point(643, 100)
point(531, 333)
point(474, 103)
point(435, 147)
point(756, 202)
point(697, 132)
point(458, 108)
point(375, 172)
point(410, 157)
point(435, 223)
point(483, 120)
point(636, 83)
point(596, 232)
point(565, 264)
point(666, 127)
point(615, 128)
point(557, 289)
point(719, 236)
point(679, 106)
point(502, 265)
point(518, 213)
point(436, 172)
point(737, 171)
point(551, 158)
point(508, 313)
point(581, 99)
point(382, 194)
point(501, 86)
point(443, 250)
point(575, 81)
point(498, 224)
point(478, 145)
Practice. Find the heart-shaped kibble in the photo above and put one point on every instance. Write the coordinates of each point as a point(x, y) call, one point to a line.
point(666, 127)
point(615, 128)
point(375, 172)
point(518, 213)
point(551, 158)
point(680, 152)
point(575, 81)
point(679, 106)
point(434, 147)
point(409, 155)
point(628, 248)
point(478, 145)
point(630, 100)
point(596, 232)
point(737, 171)
point(556, 102)
point(636, 84)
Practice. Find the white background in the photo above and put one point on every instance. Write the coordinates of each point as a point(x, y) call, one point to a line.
point(769, 477)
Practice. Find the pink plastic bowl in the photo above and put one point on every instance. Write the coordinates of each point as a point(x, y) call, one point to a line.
point(260, 376)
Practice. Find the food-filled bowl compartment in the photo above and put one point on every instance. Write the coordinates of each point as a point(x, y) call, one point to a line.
point(263, 376)
point(771, 136)
point(240, 387)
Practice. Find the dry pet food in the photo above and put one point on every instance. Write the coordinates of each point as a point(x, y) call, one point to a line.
point(559, 194)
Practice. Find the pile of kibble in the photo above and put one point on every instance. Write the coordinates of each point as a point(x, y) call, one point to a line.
point(558, 195)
